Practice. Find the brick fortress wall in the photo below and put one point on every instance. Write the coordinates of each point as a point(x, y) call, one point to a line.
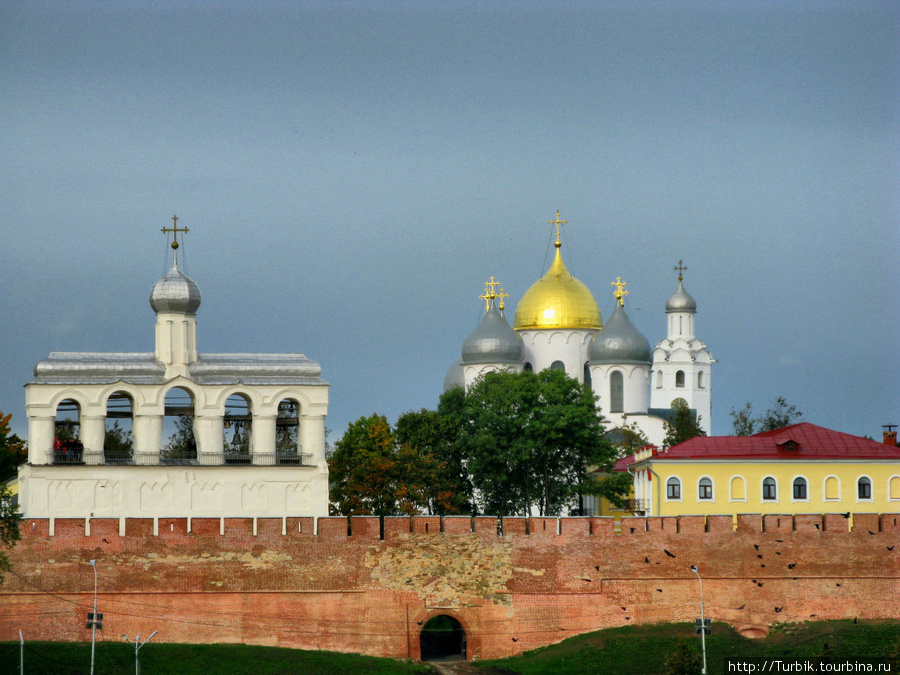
point(339, 585)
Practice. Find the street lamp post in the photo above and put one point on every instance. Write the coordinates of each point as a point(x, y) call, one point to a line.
point(702, 618)
point(94, 617)
point(137, 646)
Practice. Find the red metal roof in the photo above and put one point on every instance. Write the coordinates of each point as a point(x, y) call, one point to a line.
point(810, 442)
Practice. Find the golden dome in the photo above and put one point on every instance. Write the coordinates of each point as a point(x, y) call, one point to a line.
point(557, 300)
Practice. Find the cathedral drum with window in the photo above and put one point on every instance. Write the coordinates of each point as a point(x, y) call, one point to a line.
point(247, 430)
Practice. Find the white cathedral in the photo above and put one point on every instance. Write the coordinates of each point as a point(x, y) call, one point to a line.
point(253, 427)
point(558, 325)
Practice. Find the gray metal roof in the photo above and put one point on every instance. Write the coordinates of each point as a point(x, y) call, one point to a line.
point(176, 292)
point(455, 377)
point(494, 341)
point(681, 301)
point(619, 341)
point(143, 368)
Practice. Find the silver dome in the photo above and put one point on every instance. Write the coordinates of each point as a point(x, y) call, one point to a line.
point(494, 341)
point(455, 377)
point(176, 293)
point(681, 301)
point(619, 341)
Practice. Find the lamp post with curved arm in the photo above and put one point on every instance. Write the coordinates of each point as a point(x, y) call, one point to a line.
point(702, 618)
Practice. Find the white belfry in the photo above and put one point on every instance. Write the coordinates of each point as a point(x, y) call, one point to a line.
point(277, 468)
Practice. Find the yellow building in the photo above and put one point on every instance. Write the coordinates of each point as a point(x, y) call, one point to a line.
point(802, 468)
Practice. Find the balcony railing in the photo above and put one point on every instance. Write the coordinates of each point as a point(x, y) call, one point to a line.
point(637, 505)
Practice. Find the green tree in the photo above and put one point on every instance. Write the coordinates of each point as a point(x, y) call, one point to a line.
point(684, 660)
point(373, 474)
point(9, 527)
point(530, 439)
point(681, 425)
point(780, 415)
point(13, 451)
point(435, 433)
point(118, 442)
point(181, 443)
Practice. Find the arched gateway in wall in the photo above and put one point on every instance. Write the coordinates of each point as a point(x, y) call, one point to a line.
point(443, 639)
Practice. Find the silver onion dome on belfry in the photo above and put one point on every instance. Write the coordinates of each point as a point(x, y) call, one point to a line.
point(619, 341)
point(494, 341)
point(175, 293)
point(681, 301)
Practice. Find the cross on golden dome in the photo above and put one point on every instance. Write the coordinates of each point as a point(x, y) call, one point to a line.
point(174, 229)
point(619, 292)
point(681, 269)
point(557, 222)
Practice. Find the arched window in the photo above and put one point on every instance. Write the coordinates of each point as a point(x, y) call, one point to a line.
point(181, 446)
point(700, 380)
point(894, 488)
point(832, 489)
point(557, 365)
point(616, 392)
point(679, 379)
point(800, 488)
point(67, 446)
point(705, 488)
point(528, 367)
point(238, 428)
point(287, 438)
point(118, 442)
point(738, 489)
point(659, 379)
point(864, 488)
point(587, 375)
point(673, 489)
point(769, 489)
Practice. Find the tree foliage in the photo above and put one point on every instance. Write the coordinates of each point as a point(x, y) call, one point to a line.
point(681, 425)
point(684, 660)
point(13, 451)
point(118, 441)
point(182, 442)
point(780, 415)
point(372, 473)
point(530, 439)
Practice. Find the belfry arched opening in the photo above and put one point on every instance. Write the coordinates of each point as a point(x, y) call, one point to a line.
point(443, 639)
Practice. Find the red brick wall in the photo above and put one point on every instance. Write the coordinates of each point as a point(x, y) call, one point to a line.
point(346, 589)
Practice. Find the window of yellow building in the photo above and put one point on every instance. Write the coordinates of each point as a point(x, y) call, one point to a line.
point(799, 490)
point(673, 489)
point(894, 489)
point(705, 489)
point(832, 489)
point(769, 489)
point(738, 489)
point(864, 489)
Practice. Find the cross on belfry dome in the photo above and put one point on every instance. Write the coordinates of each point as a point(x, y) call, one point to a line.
point(681, 269)
point(175, 230)
point(489, 293)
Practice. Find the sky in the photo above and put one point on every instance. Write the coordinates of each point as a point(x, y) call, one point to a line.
point(351, 174)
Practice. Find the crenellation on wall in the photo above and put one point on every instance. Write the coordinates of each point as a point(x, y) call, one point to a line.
point(634, 525)
point(365, 527)
point(397, 525)
point(749, 523)
point(836, 522)
point(778, 522)
point(863, 523)
point(603, 527)
point(717, 525)
point(426, 524)
point(514, 526)
point(487, 526)
point(336, 527)
point(543, 526)
point(691, 525)
point(577, 527)
point(808, 523)
point(889, 522)
point(457, 524)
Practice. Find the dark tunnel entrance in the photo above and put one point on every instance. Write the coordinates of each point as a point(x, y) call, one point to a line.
point(443, 639)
